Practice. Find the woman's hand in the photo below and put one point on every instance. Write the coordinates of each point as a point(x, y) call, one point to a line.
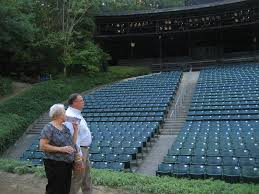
point(67, 149)
point(46, 147)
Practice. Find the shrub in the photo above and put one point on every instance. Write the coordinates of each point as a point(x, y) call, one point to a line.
point(5, 86)
point(140, 183)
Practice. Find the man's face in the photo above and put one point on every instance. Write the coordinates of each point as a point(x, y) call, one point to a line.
point(79, 103)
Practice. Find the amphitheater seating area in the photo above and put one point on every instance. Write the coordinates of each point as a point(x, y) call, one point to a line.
point(123, 118)
point(220, 138)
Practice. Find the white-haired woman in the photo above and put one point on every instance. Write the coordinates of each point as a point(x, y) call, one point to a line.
point(59, 147)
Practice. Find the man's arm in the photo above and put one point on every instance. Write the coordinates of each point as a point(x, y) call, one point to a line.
point(75, 134)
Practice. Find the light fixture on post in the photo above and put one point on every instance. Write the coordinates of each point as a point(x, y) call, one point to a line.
point(132, 45)
point(160, 51)
point(254, 47)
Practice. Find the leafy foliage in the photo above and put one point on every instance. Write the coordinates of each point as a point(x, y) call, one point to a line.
point(5, 86)
point(140, 183)
point(48, 32)
point(52, 34)
point(167, 185)
point(19, 167)
point(16, 32)
point(59, 32)
point(90, 57)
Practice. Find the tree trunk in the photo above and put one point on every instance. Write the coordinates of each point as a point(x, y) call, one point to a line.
point(65, 71)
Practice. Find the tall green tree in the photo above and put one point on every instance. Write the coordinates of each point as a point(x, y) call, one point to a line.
point(57, 32)
point(16, 32)
point(73, 30)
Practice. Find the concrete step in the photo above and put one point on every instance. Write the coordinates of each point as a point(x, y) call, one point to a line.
point(169, 133)
point(183, 111)
point(175, 122)
point(170, 130)
point(177, 118)
point(156, 155)
point(170, 120)
point(33, 132)
point(37, 128)
point(183, 116)
point(180, 117)
point(43, 121)
point(39, 125)
point(34, 129)
point(173, 125)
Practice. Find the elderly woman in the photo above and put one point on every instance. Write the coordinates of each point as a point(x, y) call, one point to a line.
point(59, 147)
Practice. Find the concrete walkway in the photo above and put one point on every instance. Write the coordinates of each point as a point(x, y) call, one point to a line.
point(156, 155)
point(17, 88)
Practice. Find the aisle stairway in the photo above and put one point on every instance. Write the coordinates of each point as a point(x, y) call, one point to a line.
point(172, 125)
point(179, 110)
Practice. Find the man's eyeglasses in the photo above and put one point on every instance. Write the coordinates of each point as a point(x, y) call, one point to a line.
point(79, 101)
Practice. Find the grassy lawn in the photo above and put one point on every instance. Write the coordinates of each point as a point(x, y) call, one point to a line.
point(128, 70)
point(20, 111)
point(148, 184)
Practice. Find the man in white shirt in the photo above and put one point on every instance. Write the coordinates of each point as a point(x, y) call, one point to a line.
point(80, 180)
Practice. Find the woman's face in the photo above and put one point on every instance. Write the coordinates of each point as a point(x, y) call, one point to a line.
point(61, 117)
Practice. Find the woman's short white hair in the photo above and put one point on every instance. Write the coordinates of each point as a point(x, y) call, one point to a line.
point(56, 110)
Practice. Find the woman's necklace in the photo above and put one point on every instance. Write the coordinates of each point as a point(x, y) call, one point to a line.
point(58, 126)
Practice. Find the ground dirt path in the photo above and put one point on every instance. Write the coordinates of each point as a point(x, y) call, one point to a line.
point(18, 87)
point(31, 184)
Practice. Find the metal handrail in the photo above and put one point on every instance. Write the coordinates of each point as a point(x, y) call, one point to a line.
point(179, 100)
